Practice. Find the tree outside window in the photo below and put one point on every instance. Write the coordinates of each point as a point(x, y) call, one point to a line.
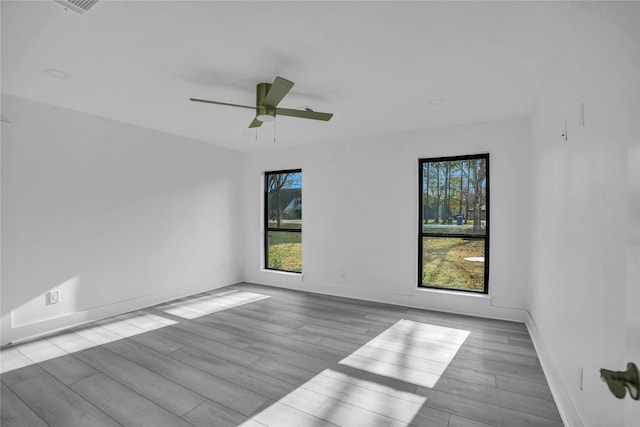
point(454, 223)
point(283, 220)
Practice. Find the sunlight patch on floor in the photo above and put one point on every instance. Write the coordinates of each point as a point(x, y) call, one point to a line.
point(376, 383)
point(192, 308)
point(342, 399)
point(116, 328)
point(80, 338)
point(413, 352)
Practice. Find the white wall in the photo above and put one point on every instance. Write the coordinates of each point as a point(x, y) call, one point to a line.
point(114, 216)
point(360, 213)
point(580, 225)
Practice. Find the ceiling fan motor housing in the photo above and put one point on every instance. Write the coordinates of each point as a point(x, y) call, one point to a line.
point(264, 113)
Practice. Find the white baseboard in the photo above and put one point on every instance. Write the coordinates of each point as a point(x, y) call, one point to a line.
point(566, 407)
point(468, 304)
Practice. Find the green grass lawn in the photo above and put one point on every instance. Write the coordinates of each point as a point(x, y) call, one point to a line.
point(444, 264)
point(285, 251)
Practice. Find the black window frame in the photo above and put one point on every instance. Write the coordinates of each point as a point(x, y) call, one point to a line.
point(267, 228)
point(422, 233)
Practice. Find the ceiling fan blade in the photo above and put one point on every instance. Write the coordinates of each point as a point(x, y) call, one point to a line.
point(221, 103)
point(255, 123)
point(278, 90)
point(303, 114)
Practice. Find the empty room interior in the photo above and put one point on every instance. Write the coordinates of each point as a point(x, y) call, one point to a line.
point(468, 254)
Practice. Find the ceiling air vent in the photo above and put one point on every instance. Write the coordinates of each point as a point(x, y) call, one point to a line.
point(80, 6)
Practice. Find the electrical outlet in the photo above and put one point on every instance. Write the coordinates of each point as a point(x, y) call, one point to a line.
point(53, 297)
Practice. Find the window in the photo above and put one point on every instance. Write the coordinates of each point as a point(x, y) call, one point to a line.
point(283, 220)
point(454, 223)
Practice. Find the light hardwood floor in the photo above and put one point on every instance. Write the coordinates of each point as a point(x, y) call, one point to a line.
point(249, 355)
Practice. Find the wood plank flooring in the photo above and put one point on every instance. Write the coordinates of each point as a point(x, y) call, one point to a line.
point(255, 356)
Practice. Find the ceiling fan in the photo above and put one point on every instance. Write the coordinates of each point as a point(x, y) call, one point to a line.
point(268, 96)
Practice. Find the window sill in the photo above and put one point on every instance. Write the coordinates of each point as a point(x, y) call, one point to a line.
point(451, 292)
point(284, 273)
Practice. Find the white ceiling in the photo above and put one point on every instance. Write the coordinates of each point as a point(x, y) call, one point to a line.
point(378, 66)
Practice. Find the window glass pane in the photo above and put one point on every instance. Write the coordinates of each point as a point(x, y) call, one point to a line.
point(453, 262)
point(454, 196)
point(284, 250)
point(284, 200)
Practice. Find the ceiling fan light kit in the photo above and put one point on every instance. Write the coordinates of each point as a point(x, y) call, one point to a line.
point(265, 114)
point(268, 96)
